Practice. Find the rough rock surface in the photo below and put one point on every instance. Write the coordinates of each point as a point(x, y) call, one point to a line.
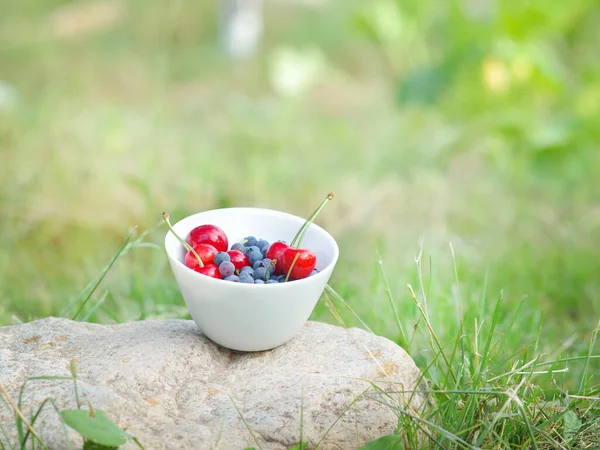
point(173, 388)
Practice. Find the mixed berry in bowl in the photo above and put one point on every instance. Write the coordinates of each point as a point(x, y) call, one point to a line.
point(251, 260)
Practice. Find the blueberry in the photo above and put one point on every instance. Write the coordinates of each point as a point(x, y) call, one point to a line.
point(259, 281)
point(264, 249)
point(261, 243)
point(248, 270)
point(220, 257)
point(250, 241)
point(245, 278)
point(314, 272)
point(262, 263)
point(254, 256)
point(238, 246)
point(281, 278)
point(272, 281)
point(252, 248)
point(226, 268)
point(260, 273)
point(233, 278)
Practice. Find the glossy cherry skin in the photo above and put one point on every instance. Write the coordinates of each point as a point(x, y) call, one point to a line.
point(304, 265)
point(208, 234)
point(238, 259)
point(210, 270)
point(276, 252)
point(206, 252)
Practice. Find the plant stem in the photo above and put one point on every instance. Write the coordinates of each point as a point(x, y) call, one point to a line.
point(185, 244)
point(297, 241)
point(73, 369)
point(287, 277)
point(302, 231)
point(20, 414)
point(271, 264)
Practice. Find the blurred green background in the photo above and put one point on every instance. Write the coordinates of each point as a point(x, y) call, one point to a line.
point(472, 122)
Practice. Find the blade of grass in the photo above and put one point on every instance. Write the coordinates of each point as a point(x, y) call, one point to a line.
point(561, 360)
point(403, 342)
point(73, 369)
point(515, 371)
point(95, 307)
point(216, 443)
point(516, 315)
point(20, 414)
point(432, 334)
point(5, 434)
point(138, 242)
point(339, 298)
point(244, 420)
point(491, 333)
point(483, 299)
point(64, 426)
point(460, 340)
point(137, 442)
point(334, 311)
point(339, 417)
point(582, 383)
point(519, 403)
point(418, 259)
point(550, 439)
point(19, 423)
point(439, 429)
point(105, 271)
point(33, 419)
point(497, 417)
point(458, 296)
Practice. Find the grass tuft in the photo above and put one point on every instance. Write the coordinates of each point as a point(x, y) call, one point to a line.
point(484, 393)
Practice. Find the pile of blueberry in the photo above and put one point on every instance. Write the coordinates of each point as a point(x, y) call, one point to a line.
point(254, 266)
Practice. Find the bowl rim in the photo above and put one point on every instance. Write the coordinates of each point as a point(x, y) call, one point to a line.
point(297, 283)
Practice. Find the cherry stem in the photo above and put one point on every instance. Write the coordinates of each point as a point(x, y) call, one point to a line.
point(188, 247)
point(287, 277)
point(271, 264)
point(297, 241)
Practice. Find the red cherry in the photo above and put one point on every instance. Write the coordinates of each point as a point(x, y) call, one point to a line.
point(208, 234)
point(210, 270)
point(304, 264)
point(206, 252)
point(238, 259)
point(276, 252)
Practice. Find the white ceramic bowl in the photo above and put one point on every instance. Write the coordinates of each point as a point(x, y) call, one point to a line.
point(251, 317)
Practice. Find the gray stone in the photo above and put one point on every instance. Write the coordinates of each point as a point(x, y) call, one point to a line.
point(173, 388)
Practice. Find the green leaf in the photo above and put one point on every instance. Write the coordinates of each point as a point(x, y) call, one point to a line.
point(300, 446)
point(571, 424)
point(389, 442)
point(99, 429)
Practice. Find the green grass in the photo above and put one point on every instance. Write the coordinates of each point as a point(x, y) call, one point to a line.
point(493, 187)
point(481, 393)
